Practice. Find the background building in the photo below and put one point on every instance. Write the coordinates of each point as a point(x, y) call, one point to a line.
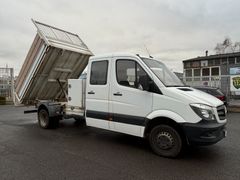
point(6, 83)
point(221, 70)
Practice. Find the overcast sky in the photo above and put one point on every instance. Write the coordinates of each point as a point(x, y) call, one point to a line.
point(172, 30)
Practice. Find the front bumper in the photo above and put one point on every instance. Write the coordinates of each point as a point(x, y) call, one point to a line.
point(204, 132)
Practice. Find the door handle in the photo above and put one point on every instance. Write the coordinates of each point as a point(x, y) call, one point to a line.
point(117, 94)
point(91, 92)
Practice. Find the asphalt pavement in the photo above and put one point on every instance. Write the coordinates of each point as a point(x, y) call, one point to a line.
point(74, 151)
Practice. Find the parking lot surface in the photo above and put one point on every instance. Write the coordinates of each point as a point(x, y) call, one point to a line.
point(74, 151)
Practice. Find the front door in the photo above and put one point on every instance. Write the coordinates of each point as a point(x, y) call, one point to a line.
point(130, 99)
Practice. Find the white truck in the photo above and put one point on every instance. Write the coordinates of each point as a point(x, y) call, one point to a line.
point(138, 96)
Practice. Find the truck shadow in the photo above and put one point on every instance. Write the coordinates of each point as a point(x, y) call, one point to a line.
point(191, 153)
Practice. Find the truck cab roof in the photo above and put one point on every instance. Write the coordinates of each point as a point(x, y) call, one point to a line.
point(109, 55)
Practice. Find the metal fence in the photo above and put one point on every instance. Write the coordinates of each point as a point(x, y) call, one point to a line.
point(222, 82)
point(6, 83)
point(213, 81)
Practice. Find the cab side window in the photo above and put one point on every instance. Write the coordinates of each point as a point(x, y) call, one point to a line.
point(99, 71)
point(131, 74)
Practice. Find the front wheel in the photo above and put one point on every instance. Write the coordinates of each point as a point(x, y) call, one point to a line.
point(165, 141)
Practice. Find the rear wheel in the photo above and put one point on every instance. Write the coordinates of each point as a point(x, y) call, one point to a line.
point(45, 121)
point(165, 141)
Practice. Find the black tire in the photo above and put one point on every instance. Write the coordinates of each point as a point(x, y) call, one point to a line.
point(165, 141)
point(45, 121)
point(80, 121)
point(55, 122)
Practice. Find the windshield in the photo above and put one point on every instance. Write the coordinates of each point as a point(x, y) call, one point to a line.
point(167, 77)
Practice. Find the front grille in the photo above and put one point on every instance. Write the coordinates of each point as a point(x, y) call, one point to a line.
point(221, 112)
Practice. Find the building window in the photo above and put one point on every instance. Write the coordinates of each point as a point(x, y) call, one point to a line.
point(204, 63)
point(196, 74)
point(224, 61)
point(195, 64)
point(217, 62)
point(205, 72)
point(215, 71)
point(188, 74)
point(231, 60)
point(238, 60)
point(211, 62)
point(187, 65)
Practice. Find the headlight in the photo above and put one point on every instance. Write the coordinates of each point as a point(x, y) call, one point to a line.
point(204, 111)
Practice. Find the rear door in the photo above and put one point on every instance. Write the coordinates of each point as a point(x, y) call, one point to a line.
point(97, 94)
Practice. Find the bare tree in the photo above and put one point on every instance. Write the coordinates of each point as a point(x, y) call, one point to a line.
point(237, 47)
point(227, 43)
point(227, 46)
point(219, 48)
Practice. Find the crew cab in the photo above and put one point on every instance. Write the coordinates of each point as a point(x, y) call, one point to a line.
point(141, 97)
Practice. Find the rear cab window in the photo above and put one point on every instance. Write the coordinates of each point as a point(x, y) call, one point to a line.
point(98, 75)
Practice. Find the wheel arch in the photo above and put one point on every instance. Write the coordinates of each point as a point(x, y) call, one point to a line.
point(53, 109)
point(166, 114)
point(42, 106)
point(151, 123)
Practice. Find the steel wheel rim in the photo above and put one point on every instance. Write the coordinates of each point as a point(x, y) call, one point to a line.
point(164, 140)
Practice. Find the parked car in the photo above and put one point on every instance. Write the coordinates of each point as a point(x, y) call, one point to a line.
point(213, 91)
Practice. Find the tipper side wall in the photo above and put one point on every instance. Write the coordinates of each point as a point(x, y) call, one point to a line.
point(52, 59)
